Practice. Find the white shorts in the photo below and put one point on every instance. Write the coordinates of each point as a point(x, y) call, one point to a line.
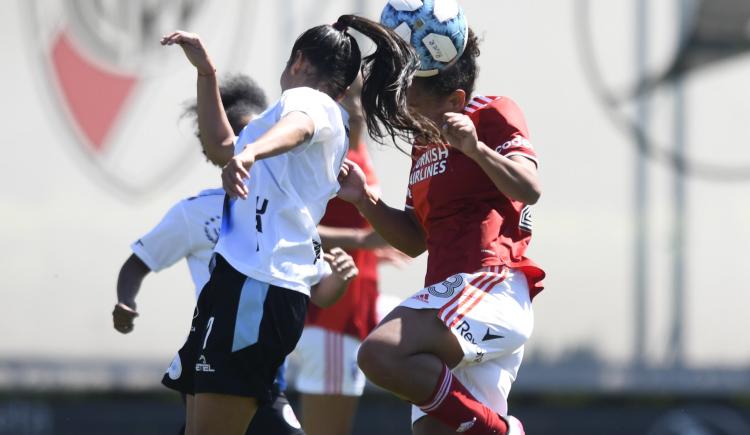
point(327, 363)
point(490, 314)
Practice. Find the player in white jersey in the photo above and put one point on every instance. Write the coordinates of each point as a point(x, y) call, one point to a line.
point(283, 171)
point(189, 230)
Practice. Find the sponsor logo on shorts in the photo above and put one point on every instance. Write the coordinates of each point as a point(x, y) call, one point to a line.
point(490, 336)
point(463, 427)
point(464, 329)
point(203, 366)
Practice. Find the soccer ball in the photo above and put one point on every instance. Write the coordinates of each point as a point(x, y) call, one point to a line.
point(437, 29)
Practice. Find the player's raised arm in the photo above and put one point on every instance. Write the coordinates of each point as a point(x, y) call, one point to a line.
point(514, 176)
point(216, 133)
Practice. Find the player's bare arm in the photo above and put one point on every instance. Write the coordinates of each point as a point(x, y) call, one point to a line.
point(291, 131)
point(216, 134)
point(351, 238)
point(514, 176)
point(128, 284)
point(398, 227)
point(332, 287)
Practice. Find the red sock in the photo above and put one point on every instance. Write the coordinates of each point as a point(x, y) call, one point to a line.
point(453, 405)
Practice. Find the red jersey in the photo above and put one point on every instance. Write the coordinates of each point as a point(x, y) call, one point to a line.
point(355, 313)
point(468, 222)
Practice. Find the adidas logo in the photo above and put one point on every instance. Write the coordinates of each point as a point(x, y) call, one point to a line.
point(423, 297)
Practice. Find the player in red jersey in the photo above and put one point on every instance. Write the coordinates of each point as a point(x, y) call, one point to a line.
point(454, 348)
point(328, 378)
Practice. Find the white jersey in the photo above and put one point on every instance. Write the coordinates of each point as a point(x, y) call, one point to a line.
point(189, 230)
point(272, 235)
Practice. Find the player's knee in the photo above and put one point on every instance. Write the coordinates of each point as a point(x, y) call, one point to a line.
point(374, 359)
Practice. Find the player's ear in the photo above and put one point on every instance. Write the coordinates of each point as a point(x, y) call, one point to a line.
point(297, 63)
point(457, 100)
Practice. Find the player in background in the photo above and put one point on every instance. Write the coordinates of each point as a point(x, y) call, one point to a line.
point(454, 348)
point(189, 230)
point(328, 379)
point(283, 171)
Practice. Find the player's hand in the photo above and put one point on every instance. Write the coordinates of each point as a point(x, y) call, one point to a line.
point(122, 317)
point(234, 174)
point(342, 264)
point(352, 181)
point(194, 50)
point(461, 133)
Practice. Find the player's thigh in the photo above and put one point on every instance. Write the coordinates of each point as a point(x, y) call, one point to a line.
point(189, 413)
point(407, 331)
point(327, 414)
point(429, 426)
point(221, 414)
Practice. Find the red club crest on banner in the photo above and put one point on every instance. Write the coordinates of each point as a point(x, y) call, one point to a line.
point(116, 91)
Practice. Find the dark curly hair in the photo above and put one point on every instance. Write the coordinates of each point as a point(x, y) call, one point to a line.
point(241, 97)
point(460, 75)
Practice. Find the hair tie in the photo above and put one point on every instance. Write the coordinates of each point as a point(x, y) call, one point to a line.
point(341, 27)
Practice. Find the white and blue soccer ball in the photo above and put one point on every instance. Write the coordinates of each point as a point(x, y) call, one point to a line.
point(437, 29)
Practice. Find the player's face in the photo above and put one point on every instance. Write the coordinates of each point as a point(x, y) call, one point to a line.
point(427, 104)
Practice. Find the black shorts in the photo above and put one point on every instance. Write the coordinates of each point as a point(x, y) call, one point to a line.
point(242, 331)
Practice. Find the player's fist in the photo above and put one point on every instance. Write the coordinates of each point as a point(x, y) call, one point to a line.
point(353, 187)
point(122, 317)
point(342, 264)
point(461, 133)
point(194, 50)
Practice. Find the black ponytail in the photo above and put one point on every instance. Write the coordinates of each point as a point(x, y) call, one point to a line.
point(387, 74)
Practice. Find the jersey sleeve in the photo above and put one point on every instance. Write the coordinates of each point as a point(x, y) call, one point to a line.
point(502, 127)
point(315, 105)
point(167, 243)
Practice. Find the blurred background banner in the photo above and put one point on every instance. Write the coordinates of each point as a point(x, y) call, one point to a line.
point(638, 109)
